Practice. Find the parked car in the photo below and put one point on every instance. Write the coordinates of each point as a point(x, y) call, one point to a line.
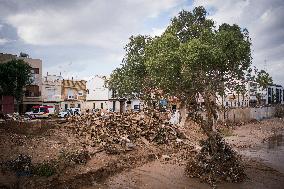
point(41, 112)
point(69, 112)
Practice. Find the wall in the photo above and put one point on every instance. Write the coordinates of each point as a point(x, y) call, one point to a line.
point(96, 89)
point(51, 88)
point(7, 104)
point(247, 114)
point(90, 105)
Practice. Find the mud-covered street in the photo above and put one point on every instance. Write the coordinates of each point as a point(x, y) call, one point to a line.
point(262, 150)
point(148, 165)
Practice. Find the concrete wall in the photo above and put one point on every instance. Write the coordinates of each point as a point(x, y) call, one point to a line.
point(247, 114)
point(95, 103)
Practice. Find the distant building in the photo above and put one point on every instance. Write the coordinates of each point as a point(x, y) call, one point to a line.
point(253, 96)
point(117, 104)
point(97, 94)
point(51, 91)
point(73, 93)
point(274, 94)
point(32, 95)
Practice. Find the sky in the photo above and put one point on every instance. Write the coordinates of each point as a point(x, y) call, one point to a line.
point(83, 38)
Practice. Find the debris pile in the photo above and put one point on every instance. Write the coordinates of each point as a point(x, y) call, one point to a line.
point(22, 165)
point(214, 165)
point(74, 157)
point(122, 132)
point(14, 117)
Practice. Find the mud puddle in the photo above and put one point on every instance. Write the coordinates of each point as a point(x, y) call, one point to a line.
point(264, 169)
point(271, 152)
point(155, 175)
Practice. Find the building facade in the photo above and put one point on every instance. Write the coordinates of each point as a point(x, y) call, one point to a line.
point(32, 95)
point(274, 94)
point(97, 94)
point(51, 91)
point(73, 93)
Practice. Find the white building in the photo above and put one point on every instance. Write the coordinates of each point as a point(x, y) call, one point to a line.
point(51, 90)
point(274, 95)
point(97, 94)
point(254, 95)
point(122, 104)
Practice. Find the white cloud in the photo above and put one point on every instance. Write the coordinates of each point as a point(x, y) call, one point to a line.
point(97, 22)
point(263, 19)
point(3, 41)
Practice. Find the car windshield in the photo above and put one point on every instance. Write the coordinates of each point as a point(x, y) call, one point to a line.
point(35, 110)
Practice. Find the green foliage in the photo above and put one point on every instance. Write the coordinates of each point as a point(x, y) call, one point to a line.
point(264, 79)
point(130, 79)
point(45, 169)
point(190, 57)
point(14, 75)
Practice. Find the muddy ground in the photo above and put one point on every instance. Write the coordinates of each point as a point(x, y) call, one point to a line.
point(145, 166)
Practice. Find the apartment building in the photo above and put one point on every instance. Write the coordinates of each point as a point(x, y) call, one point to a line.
point(51, 91)
point(73, 93)
point(32, 95)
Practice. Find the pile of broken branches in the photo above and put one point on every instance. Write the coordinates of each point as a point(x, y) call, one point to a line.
point(117, 132)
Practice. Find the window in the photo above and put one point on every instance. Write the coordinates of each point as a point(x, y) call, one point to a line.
point(94, 105)
point(70, 94)
point(66, 106)
point(269, 91)
point(113, 106)
point(113, 94)
point(42, 110)
point(102, 105)
point(227, 104)
point(80, 93)
point(79, 106)
point(136, 107)
point(36, 70)
point(32, 91)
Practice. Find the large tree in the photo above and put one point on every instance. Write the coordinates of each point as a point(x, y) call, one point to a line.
point(14, 76)
point(192, 57)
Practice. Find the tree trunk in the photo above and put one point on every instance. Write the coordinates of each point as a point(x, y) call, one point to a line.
point(211, 116)
point(183, 114)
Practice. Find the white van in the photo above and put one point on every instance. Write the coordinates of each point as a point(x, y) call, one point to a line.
point(41, 112)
